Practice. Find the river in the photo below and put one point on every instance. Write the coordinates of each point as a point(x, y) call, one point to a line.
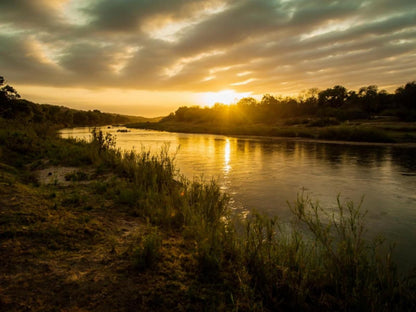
point(266, 173)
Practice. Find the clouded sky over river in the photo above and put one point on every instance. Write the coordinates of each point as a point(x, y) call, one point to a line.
point(147, 57)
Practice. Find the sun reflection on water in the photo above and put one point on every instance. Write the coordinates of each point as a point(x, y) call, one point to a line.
point(227, 152)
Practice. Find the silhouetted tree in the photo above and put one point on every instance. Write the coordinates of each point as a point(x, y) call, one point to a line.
point(369, 99)
point(406, 96)
point(7, 92)
point(405, 99)
point(333, 97)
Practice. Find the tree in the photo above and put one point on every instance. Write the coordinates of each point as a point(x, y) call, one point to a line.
point(369, 99)
point(406, 96)
point(308, 101)
point(333, 97)
point(246, 102)
point(7, 92)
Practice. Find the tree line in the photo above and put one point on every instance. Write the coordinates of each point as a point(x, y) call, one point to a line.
point(336, 103)
point(12, 107)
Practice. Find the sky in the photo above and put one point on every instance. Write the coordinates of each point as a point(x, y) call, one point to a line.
point(148, 57)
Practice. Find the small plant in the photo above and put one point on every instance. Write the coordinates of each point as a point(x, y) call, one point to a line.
point(103, 142)
point(147, 255)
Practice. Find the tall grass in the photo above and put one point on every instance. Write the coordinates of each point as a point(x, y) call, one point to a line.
point(321, 261)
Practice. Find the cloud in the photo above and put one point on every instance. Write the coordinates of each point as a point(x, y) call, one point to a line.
point(281, 46)
point(130, 15)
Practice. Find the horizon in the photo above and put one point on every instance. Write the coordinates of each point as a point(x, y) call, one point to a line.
point(149, 58)
point(212, 103)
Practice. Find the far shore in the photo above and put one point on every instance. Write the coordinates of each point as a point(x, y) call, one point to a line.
point(365, 132)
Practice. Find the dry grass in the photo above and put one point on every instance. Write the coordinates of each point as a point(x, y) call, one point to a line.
point(66, 257)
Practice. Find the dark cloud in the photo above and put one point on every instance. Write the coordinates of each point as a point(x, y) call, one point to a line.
point(314, 13)
point(129, 15)
point(247, 45)
point(28, 13)
point(243, 20)
point(88, 59)
point(21, 61)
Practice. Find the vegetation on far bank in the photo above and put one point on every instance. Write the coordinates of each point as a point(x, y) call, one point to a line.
point(12, 107)
point(123, 231)
point(367, 115)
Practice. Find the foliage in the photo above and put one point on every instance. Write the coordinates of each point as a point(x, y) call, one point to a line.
point(7, 92)
point(14, 108)
point(333, 97)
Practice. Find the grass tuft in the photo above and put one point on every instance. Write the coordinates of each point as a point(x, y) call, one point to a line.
point(147, 254)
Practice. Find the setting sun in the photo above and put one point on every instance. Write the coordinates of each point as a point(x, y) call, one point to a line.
point(224, 97)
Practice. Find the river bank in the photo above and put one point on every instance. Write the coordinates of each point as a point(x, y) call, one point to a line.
point(84, 226)
point(363, 131)
point(81, 230)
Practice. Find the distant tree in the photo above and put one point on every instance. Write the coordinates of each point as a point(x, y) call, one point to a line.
point(271, 108)
point(386, 100)
point(246, 102)
point(405, 101)
point(333, 97)
point(269, 100)
point(308, 101)
point(80, 118)
point(369, 99)
point(406, 96)
point(7, 92)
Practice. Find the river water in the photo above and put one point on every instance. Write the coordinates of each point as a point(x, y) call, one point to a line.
point(267, 173)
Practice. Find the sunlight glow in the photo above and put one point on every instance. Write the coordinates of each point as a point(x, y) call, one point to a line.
point(244, 73)
point(224, 97)
point(112, 100)
point(241, 83)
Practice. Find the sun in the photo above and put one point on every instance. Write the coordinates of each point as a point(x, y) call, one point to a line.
point(224, 97)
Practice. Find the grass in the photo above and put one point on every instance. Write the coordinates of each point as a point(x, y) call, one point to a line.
point(356, 134)
point(147, 253)
point(135, 234)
